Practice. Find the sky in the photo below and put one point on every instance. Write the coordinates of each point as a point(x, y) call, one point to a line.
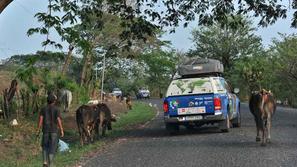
point(18, 17)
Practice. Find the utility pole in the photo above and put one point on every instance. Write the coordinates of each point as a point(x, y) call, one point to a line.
point(102, 81)
point(96, 69)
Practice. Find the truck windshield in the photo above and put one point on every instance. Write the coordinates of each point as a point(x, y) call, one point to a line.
point(190, 86)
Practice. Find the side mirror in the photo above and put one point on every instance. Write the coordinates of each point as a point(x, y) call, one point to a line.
point(236, 90)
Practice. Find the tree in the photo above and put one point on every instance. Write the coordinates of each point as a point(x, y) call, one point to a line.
point(140, 18)
point(160, 67)
point(252, 73)
point(225, 43)
point(174, 11)
point(107, 40)
point(27, 74)
point(284, 52)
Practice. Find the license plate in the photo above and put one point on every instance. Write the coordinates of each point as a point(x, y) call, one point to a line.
point(191, 110)
point(190, 118)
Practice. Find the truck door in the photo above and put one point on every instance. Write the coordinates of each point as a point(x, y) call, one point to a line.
point(231, 100)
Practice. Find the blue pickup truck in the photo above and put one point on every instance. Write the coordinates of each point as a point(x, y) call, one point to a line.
point(206, 99)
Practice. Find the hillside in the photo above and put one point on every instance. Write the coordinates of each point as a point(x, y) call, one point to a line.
point(5, 78)
point(43, 59)
point(51, 60)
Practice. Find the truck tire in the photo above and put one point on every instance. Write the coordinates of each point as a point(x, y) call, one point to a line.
point(225, 124)
point(190, 127)
point(236, 122)
point(172, 128)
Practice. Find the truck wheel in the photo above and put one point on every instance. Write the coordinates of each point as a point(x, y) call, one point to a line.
point(172, 128)
point(225, 124)
point(236, 122)
point(190, 127)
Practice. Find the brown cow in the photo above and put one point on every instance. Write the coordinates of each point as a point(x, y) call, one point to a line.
point(93, 117)
point(86, 118)
point(105, 119)
point(129, 102)
point(262, 106)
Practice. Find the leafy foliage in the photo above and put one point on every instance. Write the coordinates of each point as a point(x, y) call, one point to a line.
point(160, 68)
point(26, 74)
point(140, 18)
point(226, 43)
point(284, 68)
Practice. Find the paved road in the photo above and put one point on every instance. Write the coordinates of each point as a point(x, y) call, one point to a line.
point(206, 146)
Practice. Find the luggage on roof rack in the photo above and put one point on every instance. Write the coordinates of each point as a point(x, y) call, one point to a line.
point(200, 66)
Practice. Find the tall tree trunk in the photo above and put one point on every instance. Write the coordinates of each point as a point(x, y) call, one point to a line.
point(25, 96)
point(4, 4)
point(68, 59)
point(87, 63)
point(35, 105)
point(5, 104)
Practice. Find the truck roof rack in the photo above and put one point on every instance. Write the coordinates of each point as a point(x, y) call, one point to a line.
point(194, 67)
point(202, 75)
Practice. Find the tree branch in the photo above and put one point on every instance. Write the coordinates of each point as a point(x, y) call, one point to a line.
point(4, 4)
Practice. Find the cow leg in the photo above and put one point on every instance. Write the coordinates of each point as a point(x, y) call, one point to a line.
point(86, 133)
point(258, 135)
point(264, 134)
point(263, 138)
point(104, 126)
point(90, 133)
point(93, 131)
point(84, 138)
point(258, 129)
point(67, 106)
point(102, 123)
point(268, 129)
point(97, 130)
point(81, 135)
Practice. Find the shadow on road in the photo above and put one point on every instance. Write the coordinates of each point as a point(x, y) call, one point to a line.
point(161, 132)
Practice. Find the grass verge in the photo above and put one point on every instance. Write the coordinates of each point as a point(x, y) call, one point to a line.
point(140, 114)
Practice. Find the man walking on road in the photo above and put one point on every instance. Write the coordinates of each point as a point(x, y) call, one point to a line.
point(50, 120)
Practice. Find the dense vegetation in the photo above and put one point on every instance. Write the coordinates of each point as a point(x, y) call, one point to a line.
point(15, 153)
point(248, 65)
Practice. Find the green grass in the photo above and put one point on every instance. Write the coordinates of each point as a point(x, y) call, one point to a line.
point(140, 113)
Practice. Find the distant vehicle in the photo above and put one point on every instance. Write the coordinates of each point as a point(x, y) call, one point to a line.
point(143, 93)
point(117, 92)
point(201, 96)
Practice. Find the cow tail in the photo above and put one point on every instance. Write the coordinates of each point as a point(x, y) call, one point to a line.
point(262, 106)
point(79, 120)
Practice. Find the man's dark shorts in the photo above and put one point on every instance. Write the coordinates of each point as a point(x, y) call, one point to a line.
point(50, 142)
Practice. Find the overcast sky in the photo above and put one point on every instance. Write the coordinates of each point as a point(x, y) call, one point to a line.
point(18, 17)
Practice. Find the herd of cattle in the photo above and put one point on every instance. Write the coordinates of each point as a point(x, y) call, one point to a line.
point(91, 118)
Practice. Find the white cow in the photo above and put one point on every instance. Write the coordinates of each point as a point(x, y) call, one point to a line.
point(65, 99)
point(93, 102)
